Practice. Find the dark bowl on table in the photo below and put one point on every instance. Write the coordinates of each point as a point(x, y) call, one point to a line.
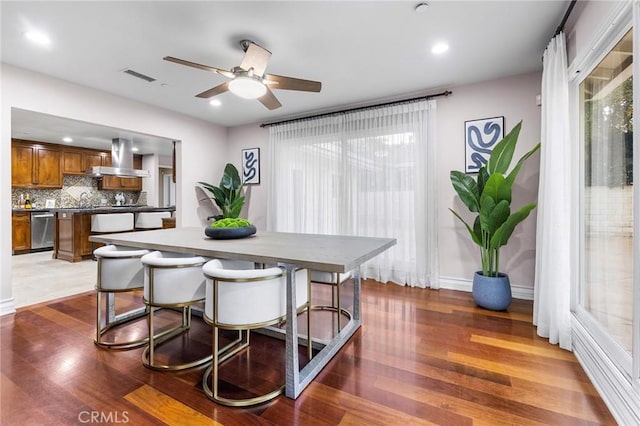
point(229, 233)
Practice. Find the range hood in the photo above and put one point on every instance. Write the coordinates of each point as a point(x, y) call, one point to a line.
point(121, 162)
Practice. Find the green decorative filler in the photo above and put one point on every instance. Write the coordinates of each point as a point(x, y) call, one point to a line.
point(489, 195)
point(230, 223)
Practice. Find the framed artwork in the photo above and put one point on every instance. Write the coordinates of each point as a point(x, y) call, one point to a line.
point(251, 166)
point(480, 136)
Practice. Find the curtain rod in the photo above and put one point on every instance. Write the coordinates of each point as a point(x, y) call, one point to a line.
point(344, 111)
point(566, 16)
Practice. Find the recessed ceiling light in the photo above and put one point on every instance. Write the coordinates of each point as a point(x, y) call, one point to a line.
point(215, 102)
point(134, 149)
point(439, 48)
point(38, 37)
point(67, 139)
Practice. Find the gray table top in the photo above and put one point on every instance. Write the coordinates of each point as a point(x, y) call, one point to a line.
point(333, 253)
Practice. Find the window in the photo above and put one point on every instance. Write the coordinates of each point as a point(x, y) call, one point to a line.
point(366, 173)
point(606, 98)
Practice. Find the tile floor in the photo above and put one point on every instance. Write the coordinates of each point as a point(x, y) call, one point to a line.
point(36, 278)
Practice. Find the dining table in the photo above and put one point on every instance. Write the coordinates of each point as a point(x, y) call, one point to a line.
point(329, 253)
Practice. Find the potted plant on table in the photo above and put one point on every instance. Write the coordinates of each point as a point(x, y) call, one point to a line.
point(229, 198)
point(489, 196)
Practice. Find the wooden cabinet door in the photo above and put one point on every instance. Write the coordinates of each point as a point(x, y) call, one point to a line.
point(133, 184)
point(72, 163)
point(130, 184)
point(21, 166)
point(86, 246)
point(48, 170)
point(90, 159)
point(109, 182)
point(21, 231)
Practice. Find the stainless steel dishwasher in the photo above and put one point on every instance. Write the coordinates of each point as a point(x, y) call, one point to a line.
point(42, 230)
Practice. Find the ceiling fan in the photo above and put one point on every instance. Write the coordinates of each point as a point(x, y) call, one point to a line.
point(248, 80)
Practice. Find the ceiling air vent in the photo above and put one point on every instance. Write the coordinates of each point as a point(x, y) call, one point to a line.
point(138, 75)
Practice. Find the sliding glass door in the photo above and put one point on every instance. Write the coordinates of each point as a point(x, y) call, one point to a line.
point(606, 296)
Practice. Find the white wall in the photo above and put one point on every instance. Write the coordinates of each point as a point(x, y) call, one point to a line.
point(151, 185)
point(513, 98)
point(202, 145)
point(252, 136)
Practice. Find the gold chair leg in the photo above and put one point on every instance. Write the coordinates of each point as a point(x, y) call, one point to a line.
point(155, 340)
point(213, 371)
point(338, 304)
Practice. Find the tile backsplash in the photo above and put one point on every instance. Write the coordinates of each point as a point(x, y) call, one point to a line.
point(69, 195)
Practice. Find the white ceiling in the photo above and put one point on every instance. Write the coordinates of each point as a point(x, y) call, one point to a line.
point(361, 51)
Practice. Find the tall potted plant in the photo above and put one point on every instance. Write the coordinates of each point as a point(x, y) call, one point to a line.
point(489, 196)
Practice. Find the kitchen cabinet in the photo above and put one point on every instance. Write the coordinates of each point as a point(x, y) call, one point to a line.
point(109, 182)
point(21, 166)
point(91, 158)
point(78, 161)
point(35, 165)
point(117, 183)
point(20, 232)
point(72, 163)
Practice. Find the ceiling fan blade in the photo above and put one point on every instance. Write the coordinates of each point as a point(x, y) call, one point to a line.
point(226, 73)
point(290, 83)
point(255, 57)
point(269, 100)
point(221, 88)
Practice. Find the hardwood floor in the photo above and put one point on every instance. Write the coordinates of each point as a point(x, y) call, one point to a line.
point(421, 357)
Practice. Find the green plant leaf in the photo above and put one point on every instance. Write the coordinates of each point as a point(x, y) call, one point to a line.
point(493, 215)
point(228, 196)
point(467, 189)
point(483, 177)
point(512, 175)
point(475, 237)
point(497, 188)
point(236, 206)
point(477, 231)
point(230, 178)
point(502, 153)
point(503, 233)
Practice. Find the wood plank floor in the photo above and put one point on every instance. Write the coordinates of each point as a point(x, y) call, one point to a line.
point(421, 357)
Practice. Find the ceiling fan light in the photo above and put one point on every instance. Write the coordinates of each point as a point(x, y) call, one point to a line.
point(246, 87)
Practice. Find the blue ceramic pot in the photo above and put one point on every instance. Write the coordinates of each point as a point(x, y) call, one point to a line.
point(492, 293)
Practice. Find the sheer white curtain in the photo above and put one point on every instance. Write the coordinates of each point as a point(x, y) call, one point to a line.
point(367, 173)
point(551, 306)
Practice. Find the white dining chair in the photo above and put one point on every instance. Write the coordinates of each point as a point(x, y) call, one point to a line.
point(171, 280)
point(150, 220)
point(240, 298)
point(335, 280)
point(119, 270)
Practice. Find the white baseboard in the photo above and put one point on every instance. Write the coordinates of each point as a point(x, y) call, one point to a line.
point(517, 291)
point(616, 390)
point(7, 306)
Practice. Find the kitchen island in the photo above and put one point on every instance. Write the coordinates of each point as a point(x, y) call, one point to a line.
point(73, 228)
